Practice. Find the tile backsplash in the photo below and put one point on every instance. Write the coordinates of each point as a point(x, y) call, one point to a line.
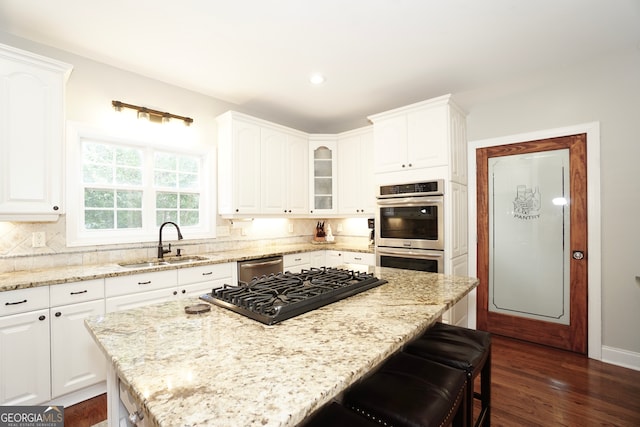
point(17, 251)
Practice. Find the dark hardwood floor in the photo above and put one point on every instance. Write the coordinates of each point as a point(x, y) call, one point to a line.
point(532, 385)
point(87, 413)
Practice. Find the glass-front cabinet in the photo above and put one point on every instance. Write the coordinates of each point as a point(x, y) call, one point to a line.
point(322, 191)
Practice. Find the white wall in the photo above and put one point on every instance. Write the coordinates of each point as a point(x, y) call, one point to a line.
point(607, 91)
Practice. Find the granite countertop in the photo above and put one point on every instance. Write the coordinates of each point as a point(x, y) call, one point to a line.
point(222, 369)
point(52, 276)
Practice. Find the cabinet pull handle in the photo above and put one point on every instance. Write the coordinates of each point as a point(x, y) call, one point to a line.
point(297, 259)
point(144, 283)
point(15, 303)
point(357, 258)
point(79, 292)
point(208, 273)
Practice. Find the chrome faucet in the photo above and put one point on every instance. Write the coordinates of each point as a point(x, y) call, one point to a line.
point(161, 249)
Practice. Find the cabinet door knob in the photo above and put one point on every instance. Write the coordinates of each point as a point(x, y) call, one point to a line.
point(410, 165)
point(58, 314)
point(175, 292)
point(42, 317)
point(55, 208)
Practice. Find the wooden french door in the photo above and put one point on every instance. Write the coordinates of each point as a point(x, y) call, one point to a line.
point(532, 241)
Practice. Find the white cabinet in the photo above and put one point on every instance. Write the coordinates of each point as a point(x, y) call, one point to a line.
point(317, 259)
point(196, 281)
point(295, 263)
point(284, 183)
point(427, 134)
point(356, 186)
point(456, 220)
point(359, 258)
point(458, 314)
point(31, 134)
point(336, 258)
point(137, 290)
point(76, 360)
point(24, 347)
point(238, 165)
point(323, 181)
point(262, 167)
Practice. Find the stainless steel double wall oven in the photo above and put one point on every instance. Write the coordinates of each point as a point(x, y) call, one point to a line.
point(410, 226)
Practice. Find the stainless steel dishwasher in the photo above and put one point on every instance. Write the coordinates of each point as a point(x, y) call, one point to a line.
point(249, 269)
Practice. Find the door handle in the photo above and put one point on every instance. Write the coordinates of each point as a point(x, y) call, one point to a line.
point(578, 255)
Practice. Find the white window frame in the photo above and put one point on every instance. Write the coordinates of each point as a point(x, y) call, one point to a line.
point(78, 236)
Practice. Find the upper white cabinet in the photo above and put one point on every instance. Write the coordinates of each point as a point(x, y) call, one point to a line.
point(262, 167)
point(356, 186)
point(427, 134)
point(284, 183)
point(31, 135)
point(323, 181)
point(238, 165)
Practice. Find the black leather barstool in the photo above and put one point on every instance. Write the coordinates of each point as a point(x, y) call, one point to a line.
point(336, 415)
point(465, 349)
point(409, 391)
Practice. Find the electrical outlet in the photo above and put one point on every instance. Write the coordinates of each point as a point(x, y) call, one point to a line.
point(39, 239)
point(290, 228)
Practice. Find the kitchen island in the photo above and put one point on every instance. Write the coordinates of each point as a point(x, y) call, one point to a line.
point(222, 369)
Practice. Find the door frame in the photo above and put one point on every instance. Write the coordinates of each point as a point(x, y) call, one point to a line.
point(594, 262)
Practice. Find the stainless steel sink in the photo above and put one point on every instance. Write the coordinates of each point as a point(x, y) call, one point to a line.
point(165, 261)
point(184, 259)
point(142, 264)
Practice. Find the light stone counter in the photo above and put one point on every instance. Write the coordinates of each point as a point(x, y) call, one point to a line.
point(223, 369)
point(52, 276)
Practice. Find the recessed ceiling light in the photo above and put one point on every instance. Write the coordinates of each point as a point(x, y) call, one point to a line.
point(316, 78)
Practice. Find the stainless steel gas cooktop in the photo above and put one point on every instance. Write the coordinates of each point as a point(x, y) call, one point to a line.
point(277, 297)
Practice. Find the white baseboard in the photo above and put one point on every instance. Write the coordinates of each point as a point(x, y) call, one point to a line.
point(624, 358)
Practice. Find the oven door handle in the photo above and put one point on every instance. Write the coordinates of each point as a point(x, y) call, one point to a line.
point(408, 201)
point(423, 254)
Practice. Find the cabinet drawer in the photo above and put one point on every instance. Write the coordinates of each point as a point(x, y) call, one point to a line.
point(141, 299)
point(291, 260)
point(359, 258)
point(205, 273)
point(71, 293)
point(23, 300)
point(124, 285)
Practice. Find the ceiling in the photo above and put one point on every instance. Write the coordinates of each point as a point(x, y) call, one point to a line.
point(375, 54)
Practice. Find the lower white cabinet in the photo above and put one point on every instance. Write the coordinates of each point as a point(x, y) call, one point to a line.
point(76, 360)
point(295, 263)
point(137, 290)
point(25, 376)
point(317, 259)
point(336, 258)
point(359, 258)
point(196, 281)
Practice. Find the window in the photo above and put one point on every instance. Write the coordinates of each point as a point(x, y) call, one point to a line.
point(122, 191)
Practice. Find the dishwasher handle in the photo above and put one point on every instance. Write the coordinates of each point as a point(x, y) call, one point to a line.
point(261, 264)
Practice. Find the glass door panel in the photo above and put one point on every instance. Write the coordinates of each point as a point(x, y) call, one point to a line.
point(529, 235)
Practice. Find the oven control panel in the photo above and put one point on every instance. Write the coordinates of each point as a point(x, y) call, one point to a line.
point(425, 188)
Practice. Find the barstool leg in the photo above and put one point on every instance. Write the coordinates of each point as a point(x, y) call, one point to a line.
point(484, 418)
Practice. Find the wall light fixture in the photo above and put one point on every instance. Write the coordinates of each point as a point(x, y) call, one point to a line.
point(150, 114)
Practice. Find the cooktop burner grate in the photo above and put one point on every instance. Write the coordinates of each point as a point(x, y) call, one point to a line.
point(272, 299)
